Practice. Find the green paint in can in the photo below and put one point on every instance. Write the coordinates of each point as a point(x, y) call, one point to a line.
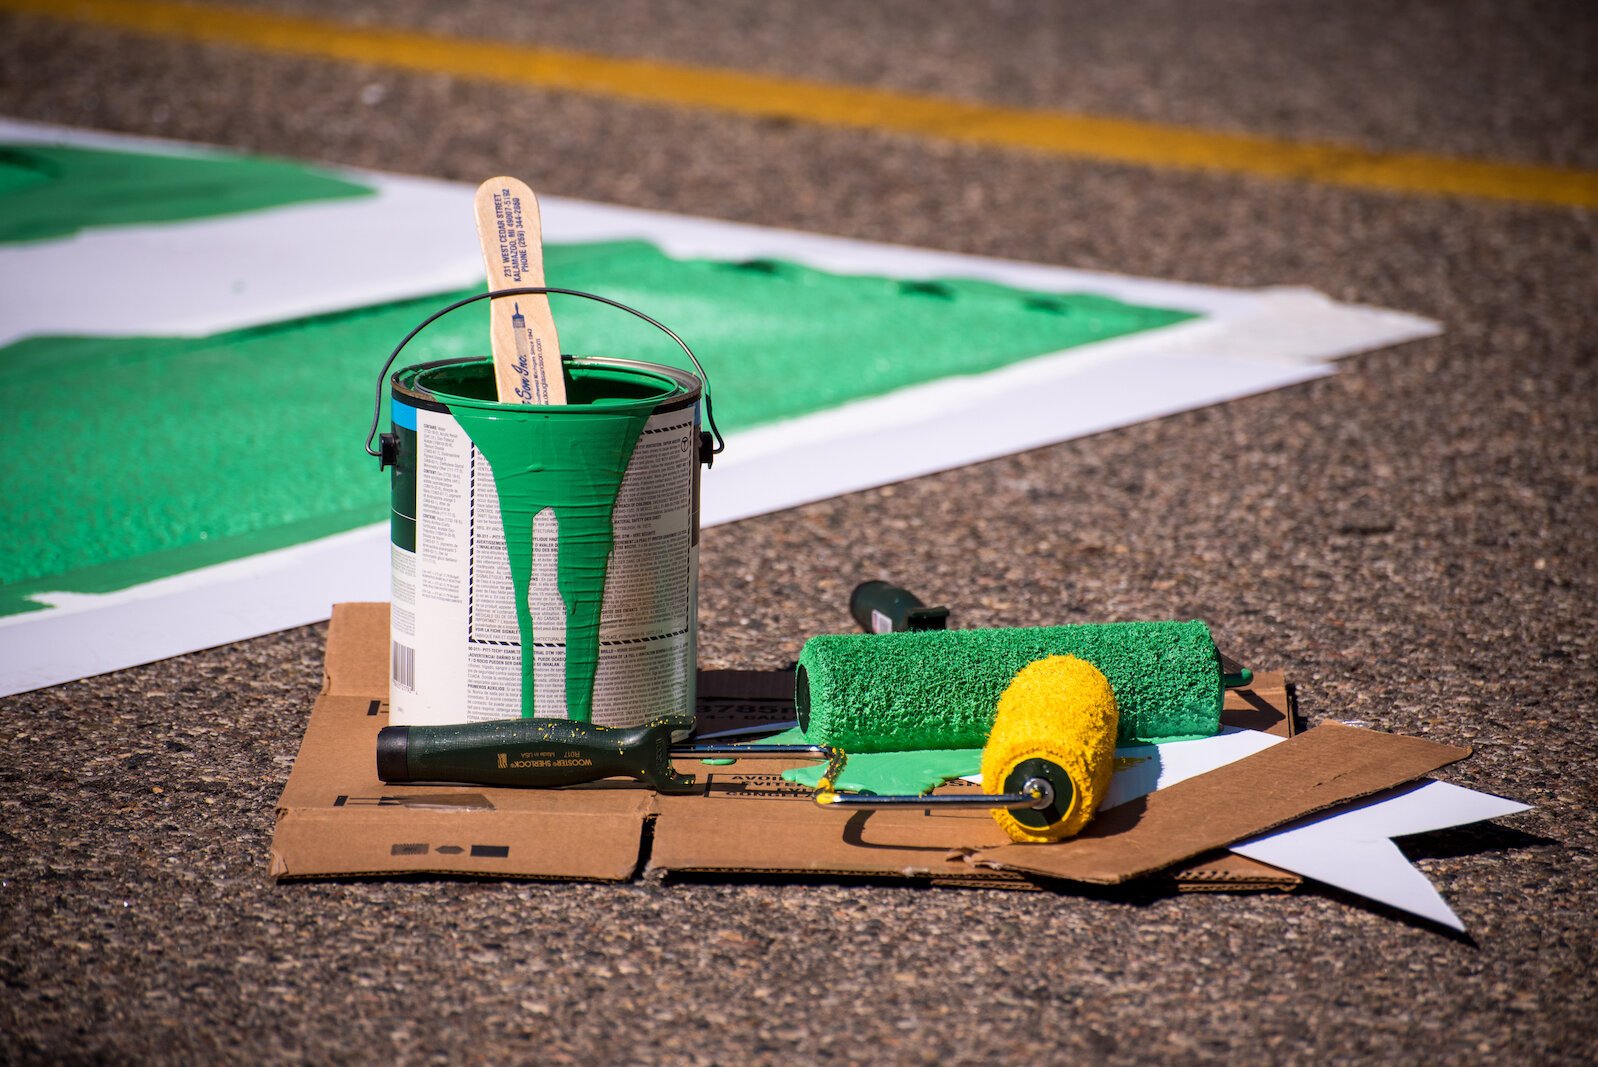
point(545, 558)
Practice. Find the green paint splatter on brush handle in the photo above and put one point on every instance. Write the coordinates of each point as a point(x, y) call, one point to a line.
point(570, 460)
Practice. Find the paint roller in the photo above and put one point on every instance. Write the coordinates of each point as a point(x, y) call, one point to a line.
point(939, 689)
point(1047, 762)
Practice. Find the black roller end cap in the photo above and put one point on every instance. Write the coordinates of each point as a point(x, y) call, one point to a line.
point(394, 753)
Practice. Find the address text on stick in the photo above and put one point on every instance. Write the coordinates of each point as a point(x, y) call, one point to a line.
point(512, 236)
point(531, 388)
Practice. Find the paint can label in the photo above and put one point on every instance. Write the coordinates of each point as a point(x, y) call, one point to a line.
point(456, 653)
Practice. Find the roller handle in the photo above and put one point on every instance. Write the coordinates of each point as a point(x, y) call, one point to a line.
point(881, 607)
point(529, 752)
point(711, 442)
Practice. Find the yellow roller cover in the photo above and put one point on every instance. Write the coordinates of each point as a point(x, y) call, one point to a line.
point(1057, 720)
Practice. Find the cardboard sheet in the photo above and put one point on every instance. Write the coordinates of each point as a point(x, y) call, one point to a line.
point(335, 818)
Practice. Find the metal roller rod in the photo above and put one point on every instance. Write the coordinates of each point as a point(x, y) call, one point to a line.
point(1036, 794)
point(753, 751)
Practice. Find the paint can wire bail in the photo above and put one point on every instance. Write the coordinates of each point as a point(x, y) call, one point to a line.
point(711, 442)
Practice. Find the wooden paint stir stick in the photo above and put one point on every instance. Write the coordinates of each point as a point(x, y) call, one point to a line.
point(521, 328)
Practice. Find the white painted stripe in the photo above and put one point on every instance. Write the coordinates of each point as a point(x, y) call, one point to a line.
point(847, 449)
point(205, 276)
point(958, 421)
point(227, 602)
point(21, 131)
point(685, 236)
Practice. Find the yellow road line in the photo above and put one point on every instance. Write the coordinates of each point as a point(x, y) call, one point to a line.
point(1044, 132)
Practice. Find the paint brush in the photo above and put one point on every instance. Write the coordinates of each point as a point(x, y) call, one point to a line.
point(544, 753)
point(521, 328)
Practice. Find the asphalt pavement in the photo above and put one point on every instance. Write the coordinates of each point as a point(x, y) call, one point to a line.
point(1411, 540)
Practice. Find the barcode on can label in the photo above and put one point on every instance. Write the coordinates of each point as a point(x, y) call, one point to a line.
point(402, 666)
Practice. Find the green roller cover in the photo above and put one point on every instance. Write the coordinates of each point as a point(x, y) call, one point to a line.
point(939, 689)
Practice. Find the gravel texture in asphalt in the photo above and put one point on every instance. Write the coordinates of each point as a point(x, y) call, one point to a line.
point(1412, 540)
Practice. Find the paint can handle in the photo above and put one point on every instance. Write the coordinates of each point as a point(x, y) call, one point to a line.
point(717, 444)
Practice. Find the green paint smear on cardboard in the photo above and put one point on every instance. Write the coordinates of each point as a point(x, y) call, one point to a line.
point(884, 773)
point(49, 191)
point(130, 459)
point(571, 461)
point(894, 773)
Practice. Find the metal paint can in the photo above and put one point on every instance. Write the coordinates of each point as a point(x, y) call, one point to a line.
point(456, 649)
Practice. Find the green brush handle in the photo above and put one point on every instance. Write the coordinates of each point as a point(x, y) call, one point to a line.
point(529, 752)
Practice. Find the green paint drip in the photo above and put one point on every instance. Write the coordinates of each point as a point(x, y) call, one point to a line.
point(569, 460)
point(894, 773)
point(49, 191)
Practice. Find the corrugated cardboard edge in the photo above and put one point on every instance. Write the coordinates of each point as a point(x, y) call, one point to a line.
point(345, 672)
point(1227, 872)
point(1308, 773)
point(708, 835)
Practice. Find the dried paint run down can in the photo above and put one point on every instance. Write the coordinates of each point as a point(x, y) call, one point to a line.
point(599, 539)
